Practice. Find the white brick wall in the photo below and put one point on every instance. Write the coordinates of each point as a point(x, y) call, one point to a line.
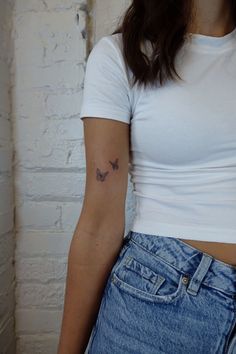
point(49, 58)
point(106, 15)
point(49, 165)
point(7, 272)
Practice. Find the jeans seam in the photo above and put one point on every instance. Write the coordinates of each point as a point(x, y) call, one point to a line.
point(158, 257)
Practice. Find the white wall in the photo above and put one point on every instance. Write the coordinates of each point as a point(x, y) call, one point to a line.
point(7, 272)
point(49, 64)
point(49, 54)
point(106, 15)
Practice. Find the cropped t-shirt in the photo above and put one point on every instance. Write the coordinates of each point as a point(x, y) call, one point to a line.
point(183, 136)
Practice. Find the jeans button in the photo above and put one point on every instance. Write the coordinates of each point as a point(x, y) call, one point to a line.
point(185, 279)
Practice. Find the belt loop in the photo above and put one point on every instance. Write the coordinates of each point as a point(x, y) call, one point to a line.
point(199, 274)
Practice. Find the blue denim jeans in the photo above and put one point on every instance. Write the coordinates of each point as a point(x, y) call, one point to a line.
point(165, 296)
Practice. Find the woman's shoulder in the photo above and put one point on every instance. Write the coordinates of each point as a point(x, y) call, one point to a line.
point(109, 50)
point(110, 44)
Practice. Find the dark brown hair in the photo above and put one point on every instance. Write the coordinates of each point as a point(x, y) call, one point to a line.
point(162, 22)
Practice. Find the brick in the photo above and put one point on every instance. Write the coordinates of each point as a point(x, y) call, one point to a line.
point(48, 321)
point(50, 186)
point(28, 104)
point(50, 42)
point(69, 129)
point(60, 75)
point(43, 270)
point(36, 344)
point(63, 105)
point(43, 296)
point(39, 216)
point(46, 243)
point(33, 5)
point(70, 215)
point(51, 155)
point(44, 5)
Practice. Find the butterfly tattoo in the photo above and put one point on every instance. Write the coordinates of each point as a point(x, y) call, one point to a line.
point(100, 176)
point(114, 164)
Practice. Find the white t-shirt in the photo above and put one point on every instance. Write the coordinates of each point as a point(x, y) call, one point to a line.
point(183, 136)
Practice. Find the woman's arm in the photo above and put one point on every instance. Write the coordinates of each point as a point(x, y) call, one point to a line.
point(99, 232)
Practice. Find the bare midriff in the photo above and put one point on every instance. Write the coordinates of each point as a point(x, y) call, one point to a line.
point(224, 252)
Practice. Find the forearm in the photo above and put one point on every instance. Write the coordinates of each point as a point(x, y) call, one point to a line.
point(90, 260)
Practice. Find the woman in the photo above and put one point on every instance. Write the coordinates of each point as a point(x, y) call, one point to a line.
point(159, 102)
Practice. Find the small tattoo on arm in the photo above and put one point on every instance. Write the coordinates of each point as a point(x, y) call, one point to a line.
point(114, 164)
point(100, 176)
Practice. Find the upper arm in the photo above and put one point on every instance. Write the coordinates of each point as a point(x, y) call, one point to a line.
point(107, 159)
point(106, 91)
point(106, 113)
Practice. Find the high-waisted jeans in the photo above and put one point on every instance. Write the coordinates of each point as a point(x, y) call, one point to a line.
point(165, 296)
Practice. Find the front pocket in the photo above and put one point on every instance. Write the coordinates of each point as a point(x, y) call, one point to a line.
point(160, 283)
point(145, 277)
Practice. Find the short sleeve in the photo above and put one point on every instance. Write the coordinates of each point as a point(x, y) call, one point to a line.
point(106, 87)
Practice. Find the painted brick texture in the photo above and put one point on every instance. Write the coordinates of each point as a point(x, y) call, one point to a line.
point(49, 62)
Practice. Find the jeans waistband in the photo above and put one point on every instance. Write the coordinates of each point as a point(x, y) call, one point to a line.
point(200, 267)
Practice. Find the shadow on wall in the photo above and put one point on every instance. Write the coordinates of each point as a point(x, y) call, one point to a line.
point(7, 232)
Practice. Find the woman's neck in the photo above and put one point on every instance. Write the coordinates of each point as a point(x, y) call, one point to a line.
point(212, 18)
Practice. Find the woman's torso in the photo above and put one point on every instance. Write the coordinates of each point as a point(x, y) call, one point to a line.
point(183, 150)
point(225, 252)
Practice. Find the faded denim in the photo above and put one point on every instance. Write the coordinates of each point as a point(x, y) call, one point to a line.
point(165, 296)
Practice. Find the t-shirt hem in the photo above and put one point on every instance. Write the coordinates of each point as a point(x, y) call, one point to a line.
point(113, 115)
point(186, 232)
